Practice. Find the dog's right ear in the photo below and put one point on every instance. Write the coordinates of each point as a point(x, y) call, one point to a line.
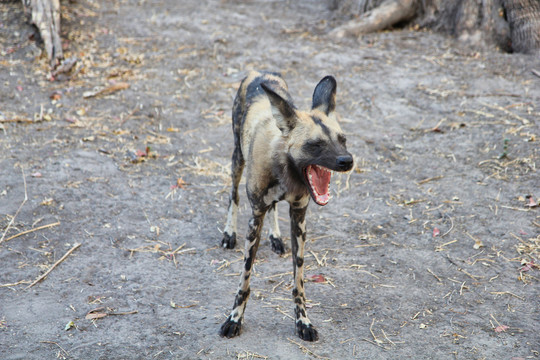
point(282, 110)
point(324, 96)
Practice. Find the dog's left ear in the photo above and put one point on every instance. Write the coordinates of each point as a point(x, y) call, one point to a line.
point(282, 110)
point(324, 96)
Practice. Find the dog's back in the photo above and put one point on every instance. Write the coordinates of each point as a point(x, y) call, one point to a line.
point(252, 107)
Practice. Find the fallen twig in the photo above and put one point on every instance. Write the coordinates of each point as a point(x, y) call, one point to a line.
point(32, 230)
point(306, 350)
point(106, 91)
point(429, 179)
point(451, 227)
point(461, 288)
point(474, 277)
point(18, 210)
point(55, 343)
point(432, 273)
point(284, 313)
point(100, 313)
point(17, 120)
point(177, 249)
point(372, 333)
point(514, 208)
point(185, 251)
point(124, 312)
point(509, 113)
point(507, 293)
point(15, 284)
point(374, 343)
point(55, 265)
point(441, 247)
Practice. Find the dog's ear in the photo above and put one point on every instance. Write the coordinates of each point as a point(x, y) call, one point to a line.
point(324, 96)
point(282, 110)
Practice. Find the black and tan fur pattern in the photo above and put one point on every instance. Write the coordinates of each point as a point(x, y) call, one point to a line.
point(285, 151)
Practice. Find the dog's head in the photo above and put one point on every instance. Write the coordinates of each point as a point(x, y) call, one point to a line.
point(316, 145)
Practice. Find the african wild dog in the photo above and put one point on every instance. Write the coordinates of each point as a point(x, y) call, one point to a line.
point(290, 156)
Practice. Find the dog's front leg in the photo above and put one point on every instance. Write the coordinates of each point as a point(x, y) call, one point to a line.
point(305, 329)
point(233, 324)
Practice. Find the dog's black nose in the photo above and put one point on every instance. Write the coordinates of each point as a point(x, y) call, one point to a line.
point(344, 162)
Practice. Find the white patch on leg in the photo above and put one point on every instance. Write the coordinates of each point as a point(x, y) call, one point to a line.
point(302, 227)
point(274, 231)
point(230, 228)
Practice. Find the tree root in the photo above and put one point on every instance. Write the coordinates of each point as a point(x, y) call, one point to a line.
point(390, 12)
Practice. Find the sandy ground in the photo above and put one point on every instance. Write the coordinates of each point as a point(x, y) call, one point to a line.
point(428, 249)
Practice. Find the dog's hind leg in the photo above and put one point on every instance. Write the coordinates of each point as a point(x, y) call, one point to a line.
point(231, 327)
point(229, 234)
point(275, 233)
point(305, 329)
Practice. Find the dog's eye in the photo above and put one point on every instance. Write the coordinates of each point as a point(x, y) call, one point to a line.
point(315, 144)
point(342, 139)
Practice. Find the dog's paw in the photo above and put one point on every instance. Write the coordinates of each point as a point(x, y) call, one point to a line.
point(277, 245)
point(230, 328)
point(307, 332)
point(229, 241)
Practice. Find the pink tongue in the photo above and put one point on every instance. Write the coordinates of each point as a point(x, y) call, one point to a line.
point(321, 179)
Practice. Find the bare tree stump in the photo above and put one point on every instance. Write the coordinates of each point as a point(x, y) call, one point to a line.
point(46, 17)
point(390, 12)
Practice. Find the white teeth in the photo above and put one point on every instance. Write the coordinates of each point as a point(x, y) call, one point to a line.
point(323, 168)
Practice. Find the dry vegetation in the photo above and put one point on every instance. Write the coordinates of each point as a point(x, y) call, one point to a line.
point(115, 175)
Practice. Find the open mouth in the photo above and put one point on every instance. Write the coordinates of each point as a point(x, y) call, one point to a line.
point(318, 179)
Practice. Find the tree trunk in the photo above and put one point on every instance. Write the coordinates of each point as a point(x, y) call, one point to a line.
point(477, 22)
point(524, 19)
point(46, 17)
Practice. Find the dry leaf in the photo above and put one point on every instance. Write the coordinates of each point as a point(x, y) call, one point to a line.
point(532, 203)
point(478, 244)
point(501, 328)
point(180, 183)
point(93, 315)
point(526, 266)
point(96, 314)
point(316, 278)
point(47, 202)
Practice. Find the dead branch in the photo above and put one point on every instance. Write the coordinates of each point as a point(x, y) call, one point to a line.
point(390, 12)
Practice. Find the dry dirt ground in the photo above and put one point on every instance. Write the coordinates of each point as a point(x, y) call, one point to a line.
point(428, 250)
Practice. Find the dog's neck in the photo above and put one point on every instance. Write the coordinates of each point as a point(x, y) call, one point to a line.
point(289, 175)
